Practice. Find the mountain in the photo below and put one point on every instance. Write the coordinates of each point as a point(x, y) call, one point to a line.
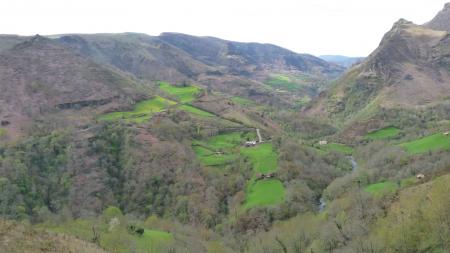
point(173, 56)
point(242, 69)
point(442, 20)
point(409, 70)
point(39, 76)
point(247, 57)
point(341, 60)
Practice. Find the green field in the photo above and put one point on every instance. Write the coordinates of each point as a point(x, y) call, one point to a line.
point(282, 82)
point(209, 157)
point(142, 110)
point(154, 239)
point(183, 94)
point(263, 157)
point(264, 193)
point(383, 133)
point(242, 101)
point(382, 188)
point(225, 143)
point(430, 143)
point(195, 111)
point(338, 147)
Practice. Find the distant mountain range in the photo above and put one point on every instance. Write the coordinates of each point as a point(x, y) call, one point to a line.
point(341, 60)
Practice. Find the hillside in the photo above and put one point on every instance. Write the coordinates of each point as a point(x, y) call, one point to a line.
point(246, 58)
point(242, 69)
point(40, 76)
point(17, 238)
point(130, 143)
point(409, 70)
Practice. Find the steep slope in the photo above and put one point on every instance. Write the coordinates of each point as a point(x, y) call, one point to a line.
point(241, 69)
point(442, 20)
point(39, 76)
point(244, 58)
point(17, 238)
point(409, 70)
point(144, 56)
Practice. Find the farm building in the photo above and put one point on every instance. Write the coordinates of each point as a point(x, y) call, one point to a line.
point(323, 142)
point(420, 176)
point(250, 143)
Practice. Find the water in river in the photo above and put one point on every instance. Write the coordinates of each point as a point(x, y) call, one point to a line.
point(322, 203)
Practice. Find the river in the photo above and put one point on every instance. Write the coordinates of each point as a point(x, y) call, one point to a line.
point(322, 203)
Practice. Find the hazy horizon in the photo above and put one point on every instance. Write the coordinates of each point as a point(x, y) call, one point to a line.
point(321, 27)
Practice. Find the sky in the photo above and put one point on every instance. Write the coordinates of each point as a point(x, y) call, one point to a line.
point(318, 27)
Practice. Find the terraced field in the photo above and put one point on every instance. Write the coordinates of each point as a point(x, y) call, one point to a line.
point(141, 112)
point(225, 148)
point(282, 82)
point(384, 133)
point(218, 150)
point(263, 158)
point(183, 94)
point(434, 142)
point(144, 110)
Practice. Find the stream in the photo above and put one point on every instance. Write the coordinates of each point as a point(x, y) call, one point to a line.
point(322, 203)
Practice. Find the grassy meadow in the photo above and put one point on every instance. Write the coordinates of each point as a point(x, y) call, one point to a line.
point(183, 94)
point(384, 133)
point(264, 193)
point(429, 143)
point(141, 112)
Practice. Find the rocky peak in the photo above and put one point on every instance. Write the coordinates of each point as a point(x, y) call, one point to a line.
point(442, 20)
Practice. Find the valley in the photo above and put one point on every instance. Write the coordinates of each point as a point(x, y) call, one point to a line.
point(177, 143)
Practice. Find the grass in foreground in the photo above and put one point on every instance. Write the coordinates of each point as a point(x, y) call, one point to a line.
point(142, 110)
point(383, 133)
point(264, 193)
point(184, 94)
point(263, 157)
point(430, 143)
